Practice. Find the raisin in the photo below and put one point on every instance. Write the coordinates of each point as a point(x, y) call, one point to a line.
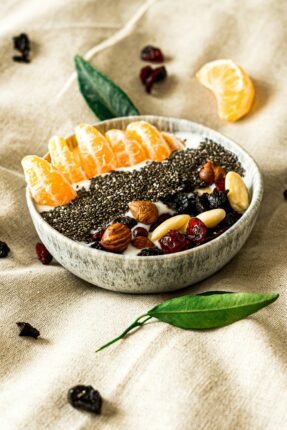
point(157, 75)
point(174, 241)
point(218, 199)
point(181, 203)
point(86, 398)
point(127, 220)
point(97, 245)
point(285, 194)
point(4, 249)
point(27, 329)
point(22, 44)
point(202, 203)
point(145, 72)
point(140, 231)
point(152, 54)
point(43, 254)
point(148, 252)
point(163, 217)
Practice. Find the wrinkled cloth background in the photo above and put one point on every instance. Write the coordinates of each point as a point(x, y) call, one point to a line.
point(161, 377)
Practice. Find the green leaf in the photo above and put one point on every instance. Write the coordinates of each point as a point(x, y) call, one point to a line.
point(210, 311)
point(103, 96)
point(203, 311)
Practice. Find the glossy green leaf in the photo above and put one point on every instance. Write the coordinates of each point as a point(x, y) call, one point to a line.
point(103, 96)
point(210, 311)
point(202, 311)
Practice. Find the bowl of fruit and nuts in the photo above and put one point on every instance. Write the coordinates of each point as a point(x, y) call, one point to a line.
point(143, 204)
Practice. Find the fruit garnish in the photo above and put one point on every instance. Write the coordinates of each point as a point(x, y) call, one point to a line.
point(26, 329)
point(232, 87)
point(43, 254)
point(152, 140)
point(46, 184)
point(96, 153)
point(196, 231)
point(128, 152)
point(174, 143)
point(158, 74)
point(150, 252)
point(86, 398)
point(65, 161)
point(174, 241)
point(152, 54)
point(140, 231)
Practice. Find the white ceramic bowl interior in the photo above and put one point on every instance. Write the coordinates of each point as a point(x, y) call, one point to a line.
point(132, 274)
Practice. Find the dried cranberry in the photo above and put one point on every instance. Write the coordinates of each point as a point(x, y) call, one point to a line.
point(86, 398)
point(43, 254)
point(174, 241)
point(145, 72)
point(149, 252)
point(285, 194)
point(140, 231)
point(28, 330)
point(157, 75)
point(220, 184)
point(196, 231)
point(4, 249)
point(163, 217)
point(152, 54)
point(127, 220)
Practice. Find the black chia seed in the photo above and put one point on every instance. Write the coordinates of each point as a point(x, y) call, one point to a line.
point(109, 195)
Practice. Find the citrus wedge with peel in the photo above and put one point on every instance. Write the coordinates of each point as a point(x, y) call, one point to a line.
point(232, 87)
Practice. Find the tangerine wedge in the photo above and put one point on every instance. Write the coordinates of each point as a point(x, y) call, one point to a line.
point(174, 143)
point(47, 185)
point(96, 153)
point(65, 160)
point(151, 139)
point(232, 87)
point(128, 152)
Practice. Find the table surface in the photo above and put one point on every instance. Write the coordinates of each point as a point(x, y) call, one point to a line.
point(162, 377)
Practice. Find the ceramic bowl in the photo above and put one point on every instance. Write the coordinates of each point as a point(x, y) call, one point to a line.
point(131, 274)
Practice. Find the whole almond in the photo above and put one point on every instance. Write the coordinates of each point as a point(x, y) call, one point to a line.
point(238, 195)
point(141, 242)
point(212, 218)
point(206, 174)
point(144, 211)
point(116, 238)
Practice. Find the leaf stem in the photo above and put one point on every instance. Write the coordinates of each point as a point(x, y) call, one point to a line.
point(136, 323)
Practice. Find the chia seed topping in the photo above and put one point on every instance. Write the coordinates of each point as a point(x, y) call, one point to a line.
point(109, 194)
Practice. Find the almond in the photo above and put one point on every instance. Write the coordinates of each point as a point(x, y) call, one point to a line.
point(212, 218)
point(177, 222)
point(141, 242)
point(116, 238)
point(144, 211)
point(206, 174)
point(238, 195)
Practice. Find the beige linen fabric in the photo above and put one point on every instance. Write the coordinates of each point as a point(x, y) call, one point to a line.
point(161, 377)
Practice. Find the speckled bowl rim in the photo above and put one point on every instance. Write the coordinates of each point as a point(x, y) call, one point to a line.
point(241, 223)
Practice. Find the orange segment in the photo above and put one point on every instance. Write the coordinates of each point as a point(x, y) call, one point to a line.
point(128, 152)
point(151, 139)
point(47, 186)
point(174, 143)
point(96, 153)
point(231, 86)
point(64, 160)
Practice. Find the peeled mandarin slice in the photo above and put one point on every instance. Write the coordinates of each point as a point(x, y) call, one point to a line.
point(173, 143)
point(152, 140)
point(47, 185)
point(96, 153)
point(177, 222)
point(65, 160)
point(232, 87)
point(128, 152)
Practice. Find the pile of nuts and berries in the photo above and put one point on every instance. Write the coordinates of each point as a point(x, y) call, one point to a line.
point(195, 217)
